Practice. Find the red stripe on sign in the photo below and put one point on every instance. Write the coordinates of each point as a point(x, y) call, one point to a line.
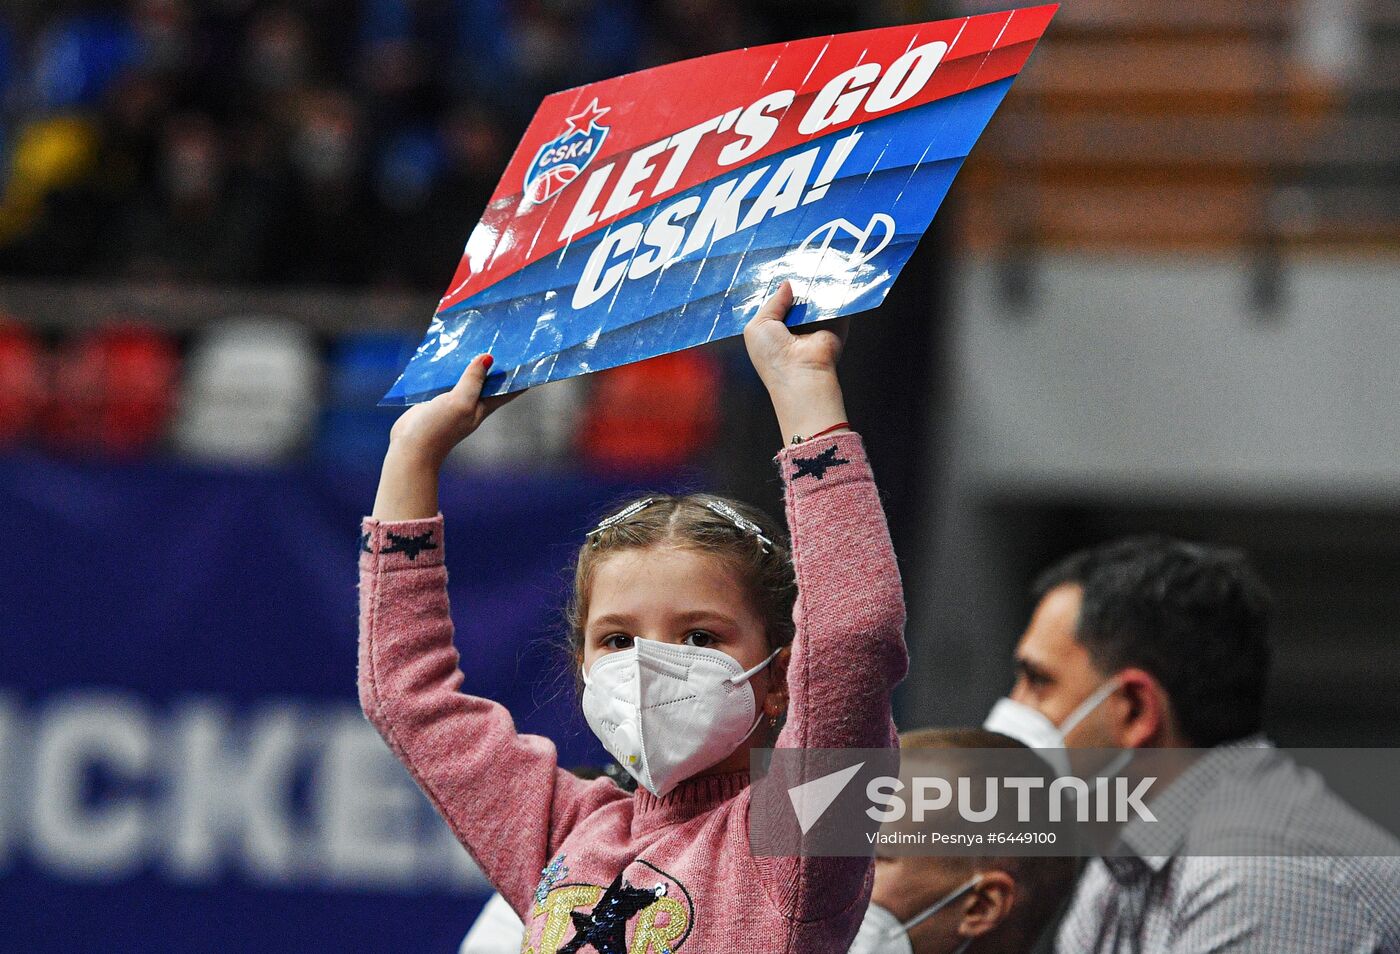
point(646, 108)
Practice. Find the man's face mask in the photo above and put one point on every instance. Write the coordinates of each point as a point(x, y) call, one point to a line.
point(1033, 728)
point(883, 933)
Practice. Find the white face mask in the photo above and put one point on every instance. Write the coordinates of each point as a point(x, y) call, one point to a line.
point(883, 933)
point(667, 711)
point(1034, 729)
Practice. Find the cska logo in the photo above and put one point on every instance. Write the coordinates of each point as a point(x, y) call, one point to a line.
point(560, 160)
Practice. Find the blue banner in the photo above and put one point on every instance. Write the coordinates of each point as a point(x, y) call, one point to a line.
point(183, 764)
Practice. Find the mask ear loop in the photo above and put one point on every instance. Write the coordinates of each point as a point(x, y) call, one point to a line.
point(748, 674)
point(1095, 699)
point(942, 903)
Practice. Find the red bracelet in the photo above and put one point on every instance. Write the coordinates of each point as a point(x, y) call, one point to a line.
point(822, 433)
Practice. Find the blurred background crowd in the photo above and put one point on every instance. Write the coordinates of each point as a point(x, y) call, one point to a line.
point(241, 141)
point(297, 142)
point(241, 144)
point(1161, 297)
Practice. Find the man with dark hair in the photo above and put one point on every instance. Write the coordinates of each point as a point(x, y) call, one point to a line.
point(1181, 628)
point(1150, 642)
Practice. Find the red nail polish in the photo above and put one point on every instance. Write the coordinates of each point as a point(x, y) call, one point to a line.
point(487, 361)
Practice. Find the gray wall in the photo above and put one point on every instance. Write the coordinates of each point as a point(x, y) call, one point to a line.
point(1132, 396)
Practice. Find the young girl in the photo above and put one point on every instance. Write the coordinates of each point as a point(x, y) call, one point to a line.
point(696, 632)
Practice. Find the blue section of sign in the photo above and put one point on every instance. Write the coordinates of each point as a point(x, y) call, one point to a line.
point(183, 764)
point(842, 247)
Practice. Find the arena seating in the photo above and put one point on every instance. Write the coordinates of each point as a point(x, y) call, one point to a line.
point(21, 370)
point(360, 368)
point(627, 428)
point(251, 392)
point(112, 390)
point(1194, 127)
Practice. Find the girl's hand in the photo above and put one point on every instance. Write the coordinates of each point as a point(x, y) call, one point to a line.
point(433, 428)
point(798, 367)
point(781, 354)
point(423, 436)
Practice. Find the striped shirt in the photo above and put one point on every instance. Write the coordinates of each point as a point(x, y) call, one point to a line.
point(1252, 853)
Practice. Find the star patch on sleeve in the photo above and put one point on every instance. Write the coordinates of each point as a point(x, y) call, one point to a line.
point(364, 543)
point(817, 466)
point(409, 546)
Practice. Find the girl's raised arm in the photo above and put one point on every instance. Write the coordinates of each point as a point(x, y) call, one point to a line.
point(503, 794)
point(799, 369)
point(848, 654)
point(422, 438)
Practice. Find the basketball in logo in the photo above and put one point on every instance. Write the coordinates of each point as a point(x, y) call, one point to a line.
point(549, 183)
point(560, 160)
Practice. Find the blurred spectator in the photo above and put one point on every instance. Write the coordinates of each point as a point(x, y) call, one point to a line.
point(48, 204)
point(1331, 38)
point(76, 58)
point(277, 54)
point(327, 235)
point(200, 221)
point(294, 141)
point(430, 187)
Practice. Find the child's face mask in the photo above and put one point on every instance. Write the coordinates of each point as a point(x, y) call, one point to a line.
point(667, 711)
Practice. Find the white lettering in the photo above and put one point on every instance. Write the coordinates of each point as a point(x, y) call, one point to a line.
point(1104, 806)
point(583, 215)
point(1023, 785)
point(625, 194)
point(756, 126)
point(720, 216)
point(369, 807)
point(1078, 790)
point(906, 77)
point(74, 834)
point(230, 800)
point(9, 773)
point(839, 98)
point(923, 804)
point(1133, 800)
point(784, 190)
point(965, 808)
point(682, 146)
point(663, 237)
point(598, 277)
point(882, 791)
point(284, 796)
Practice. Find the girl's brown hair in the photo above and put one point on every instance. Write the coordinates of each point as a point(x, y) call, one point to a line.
point(761, 559)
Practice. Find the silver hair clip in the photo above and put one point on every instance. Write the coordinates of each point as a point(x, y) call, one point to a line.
point(739, 520)
point(631, 510)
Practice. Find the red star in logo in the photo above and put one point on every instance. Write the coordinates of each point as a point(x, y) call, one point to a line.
point(586, 119)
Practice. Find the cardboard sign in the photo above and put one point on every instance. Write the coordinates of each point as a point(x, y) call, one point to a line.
point(656, 211)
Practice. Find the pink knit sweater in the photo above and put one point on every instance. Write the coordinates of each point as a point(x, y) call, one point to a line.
point(587, 866)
